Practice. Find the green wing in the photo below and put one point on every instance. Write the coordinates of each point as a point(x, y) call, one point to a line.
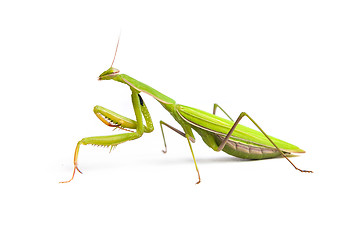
point(243, 134)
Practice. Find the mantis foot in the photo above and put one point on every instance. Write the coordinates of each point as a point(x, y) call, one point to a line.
point(75, 168)
point(306, 171)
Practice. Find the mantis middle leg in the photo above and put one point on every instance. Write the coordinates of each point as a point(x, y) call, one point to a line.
point(175, 130)
point(187, 136)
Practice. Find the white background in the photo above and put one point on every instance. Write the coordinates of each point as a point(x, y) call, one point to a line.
point(291, 65)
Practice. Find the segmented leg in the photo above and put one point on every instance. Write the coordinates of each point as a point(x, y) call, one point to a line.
point(187, 136)
point(113, 119)
point(175, 130)
point(197, 170)
point(221, 146)
point(217, 106)
point(114, 140)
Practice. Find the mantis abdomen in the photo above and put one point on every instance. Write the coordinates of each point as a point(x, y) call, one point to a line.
point(246, 151)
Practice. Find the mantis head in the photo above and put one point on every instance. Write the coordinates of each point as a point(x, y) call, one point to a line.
point(109, 74)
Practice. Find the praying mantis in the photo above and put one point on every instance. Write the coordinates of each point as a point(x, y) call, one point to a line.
point(218, 133)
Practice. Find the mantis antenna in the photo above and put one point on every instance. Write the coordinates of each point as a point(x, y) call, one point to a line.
point(117, 45)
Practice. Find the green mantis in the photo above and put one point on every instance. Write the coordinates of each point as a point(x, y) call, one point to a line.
point(218, 133)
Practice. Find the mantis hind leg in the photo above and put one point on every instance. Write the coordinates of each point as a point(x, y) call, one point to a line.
point(222, 145)
point(187, 136)
point(217, 106)
point(114, 140)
